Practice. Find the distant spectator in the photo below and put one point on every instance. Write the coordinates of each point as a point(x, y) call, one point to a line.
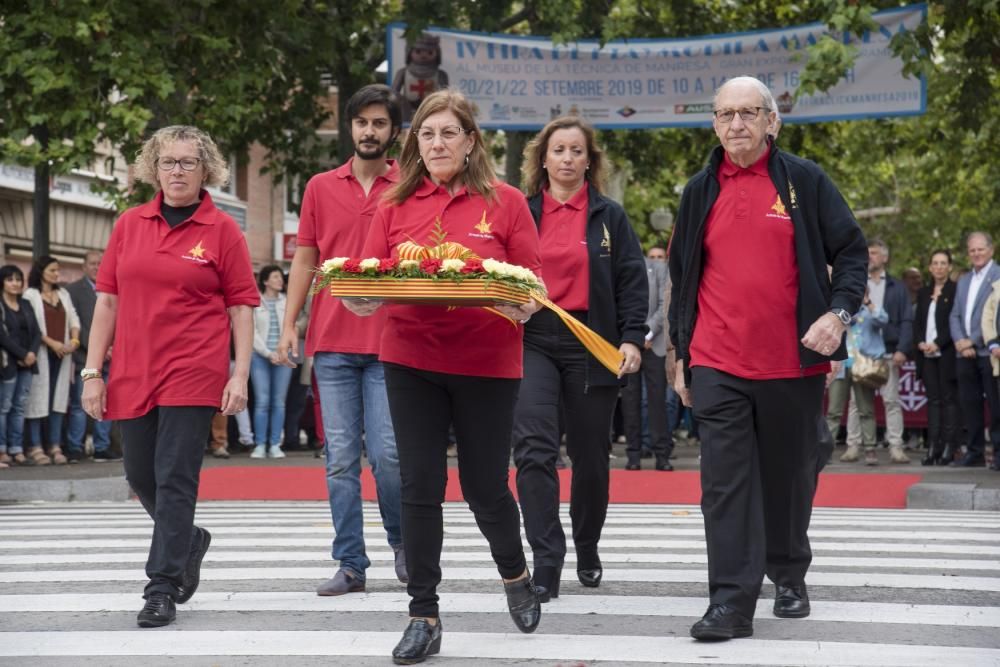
point(49, 395)
point(269, 376)
point(972, 368)
point(657, 253)
point(913, 281)
point(84, 295)
point(20, 338)
point(936, 360)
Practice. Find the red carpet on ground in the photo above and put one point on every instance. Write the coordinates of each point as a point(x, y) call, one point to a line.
point(644, 486)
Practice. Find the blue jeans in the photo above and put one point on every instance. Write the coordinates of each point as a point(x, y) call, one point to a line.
point(12, 412)
point(270, 387)
point(352, 394)
point(76, 428)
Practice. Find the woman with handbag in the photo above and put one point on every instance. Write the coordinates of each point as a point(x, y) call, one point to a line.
point(865, 369)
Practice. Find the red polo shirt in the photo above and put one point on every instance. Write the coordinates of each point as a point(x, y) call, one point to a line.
point(171, 344)
point(749, 287)
point(563, 241)
point(461, 341)
point(335, 217)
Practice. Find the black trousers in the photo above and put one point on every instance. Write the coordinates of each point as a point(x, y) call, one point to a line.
point(424, 405)
point(942, 404)
point(975, 380)
point(654, 375)
point(555, 372)
point(162, 453)
point(759, 450)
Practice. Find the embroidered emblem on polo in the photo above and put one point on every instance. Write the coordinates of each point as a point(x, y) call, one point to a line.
point(779, 209)
point(484, 229)
point(196, 254)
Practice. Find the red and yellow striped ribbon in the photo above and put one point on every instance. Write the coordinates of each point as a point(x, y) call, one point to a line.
point(606, 353)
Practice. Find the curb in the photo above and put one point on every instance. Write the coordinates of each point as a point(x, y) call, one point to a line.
point(937, 496)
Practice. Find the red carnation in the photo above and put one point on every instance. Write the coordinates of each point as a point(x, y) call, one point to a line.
point(430, 265)
point(473, 266)
point(387, 264)
point(352, 266)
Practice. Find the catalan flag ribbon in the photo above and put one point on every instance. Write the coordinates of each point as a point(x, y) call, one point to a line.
point(606, 353)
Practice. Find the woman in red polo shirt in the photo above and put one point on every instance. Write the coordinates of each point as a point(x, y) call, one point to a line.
point(459, 366)
point(175, 277)
point(595, 269)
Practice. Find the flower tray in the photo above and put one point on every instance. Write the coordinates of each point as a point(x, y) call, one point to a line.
point(425, 291)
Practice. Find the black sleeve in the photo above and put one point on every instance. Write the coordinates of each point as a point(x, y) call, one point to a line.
point(8, 341)
point(629, 277)
point(943, 339)
point(905, 344)
point(845, 247)
point(675, 262)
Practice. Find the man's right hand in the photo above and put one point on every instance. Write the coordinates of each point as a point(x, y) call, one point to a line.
point(288, 346)
point(679, 385)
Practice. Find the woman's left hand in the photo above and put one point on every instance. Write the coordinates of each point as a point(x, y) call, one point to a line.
point(234, 396)
point(632, 359)
point(521, 313)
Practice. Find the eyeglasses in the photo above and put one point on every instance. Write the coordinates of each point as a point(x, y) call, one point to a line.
point(187, 163)
point(447, 134)
point(727, 115)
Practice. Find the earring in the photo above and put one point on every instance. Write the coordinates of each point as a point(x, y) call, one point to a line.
point(420, 160)
point(466, 159)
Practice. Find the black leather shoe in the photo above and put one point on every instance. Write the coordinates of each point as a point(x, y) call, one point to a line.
point(420, 639)
point(523, 603)
point(791, 602)
point(931, 460)
point(633, 466)
point(590, 577)
point(547, 582)
point(664, 464)
point(970, 460)
point(158, 611)
point(721, 623)
point(192, 573)
point(947, 456)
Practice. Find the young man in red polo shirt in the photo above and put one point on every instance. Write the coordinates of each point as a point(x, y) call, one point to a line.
point(337, 210)
point(756, 320)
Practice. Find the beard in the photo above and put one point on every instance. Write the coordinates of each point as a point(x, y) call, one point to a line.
point(373, 150)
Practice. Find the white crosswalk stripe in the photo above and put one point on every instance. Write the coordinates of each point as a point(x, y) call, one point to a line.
point(889, 588)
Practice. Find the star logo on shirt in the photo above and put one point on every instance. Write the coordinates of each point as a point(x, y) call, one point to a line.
point(197, 251)
point(778, 207)
point(484, 227)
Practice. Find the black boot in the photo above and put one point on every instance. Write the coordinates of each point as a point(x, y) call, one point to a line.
point(523, 604)
point(420, 639)
point(947, 456)
point(547, 582)
point(934, 455)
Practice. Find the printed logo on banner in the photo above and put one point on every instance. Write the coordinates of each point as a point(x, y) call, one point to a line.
point(692, 108)
point(911, 389)
point(625, 112)
point(500, 111)
point(786, 102)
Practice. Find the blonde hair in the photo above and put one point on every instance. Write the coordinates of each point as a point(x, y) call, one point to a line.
point(216, 169)
point(533, 172)
point(478, 176)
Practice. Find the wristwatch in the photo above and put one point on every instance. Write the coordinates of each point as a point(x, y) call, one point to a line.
point(90, 374)
point(842, 315)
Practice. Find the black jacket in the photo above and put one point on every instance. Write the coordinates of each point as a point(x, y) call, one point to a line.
point(13, 350)
point(944, 305)
point(898, 333)
point(825, 234)
point(618, 293)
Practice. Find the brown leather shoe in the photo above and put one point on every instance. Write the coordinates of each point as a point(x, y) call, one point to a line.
point(341, 583)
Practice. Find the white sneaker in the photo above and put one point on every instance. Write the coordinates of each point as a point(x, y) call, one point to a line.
point(259, 452)
point(275, 452)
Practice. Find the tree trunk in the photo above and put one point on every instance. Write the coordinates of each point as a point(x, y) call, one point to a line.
point(516, 141)
point(40, 228)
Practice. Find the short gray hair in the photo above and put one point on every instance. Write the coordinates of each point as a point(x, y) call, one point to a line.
point(216, 169)
point(985, 236)
point(880, 244)
point(765, 92)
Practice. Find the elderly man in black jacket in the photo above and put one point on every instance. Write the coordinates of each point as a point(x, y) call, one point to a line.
point(756, 320)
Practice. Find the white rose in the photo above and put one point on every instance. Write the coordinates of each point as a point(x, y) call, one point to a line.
point(455, 265)
point(491, 265)
point(334, 264)
point(370, 263)
point(408, 264)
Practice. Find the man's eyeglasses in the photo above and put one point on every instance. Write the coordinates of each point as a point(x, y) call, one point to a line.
point(187, 164)
point(447, 134)
point(727, 115)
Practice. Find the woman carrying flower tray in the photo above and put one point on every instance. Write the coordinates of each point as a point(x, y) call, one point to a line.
point(453, 366)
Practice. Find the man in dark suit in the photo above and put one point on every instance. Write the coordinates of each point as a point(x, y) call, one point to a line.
point(972, 368)
point(84, 299)
point(654, 375)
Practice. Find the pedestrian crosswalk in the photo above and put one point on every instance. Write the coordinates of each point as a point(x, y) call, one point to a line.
point(888, 587)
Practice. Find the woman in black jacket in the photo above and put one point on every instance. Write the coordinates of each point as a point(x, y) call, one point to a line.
point(593, 267)
point(20, 339)
point(936, 361)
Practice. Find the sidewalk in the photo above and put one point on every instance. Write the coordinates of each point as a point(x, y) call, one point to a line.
point(300, 476)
